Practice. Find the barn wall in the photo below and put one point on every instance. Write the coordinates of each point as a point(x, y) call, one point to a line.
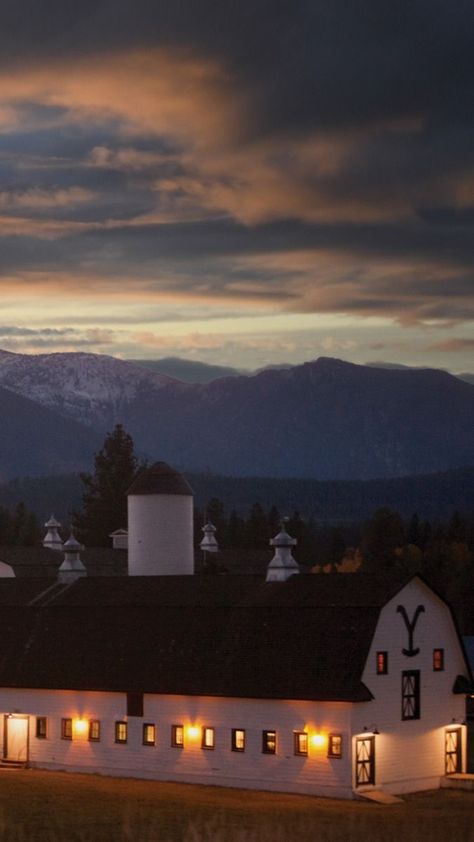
point(316, 774)
point(410, 754)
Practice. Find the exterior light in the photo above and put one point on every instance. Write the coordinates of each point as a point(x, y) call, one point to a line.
point(80, 726)
point(318, 740)
point(193, 731)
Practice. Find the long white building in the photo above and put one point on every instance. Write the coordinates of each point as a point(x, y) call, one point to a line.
point(327, 685)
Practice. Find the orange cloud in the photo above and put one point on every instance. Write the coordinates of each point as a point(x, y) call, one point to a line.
point(39, 199)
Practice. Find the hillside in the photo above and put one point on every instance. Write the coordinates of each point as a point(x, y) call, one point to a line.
point(325, 419)
point(432, 496)
point(34, 440)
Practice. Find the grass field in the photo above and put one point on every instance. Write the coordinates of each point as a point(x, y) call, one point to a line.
point(40, 806)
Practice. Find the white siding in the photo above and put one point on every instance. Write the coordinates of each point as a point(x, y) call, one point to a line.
point(160, 535)
point(316, 774)
point(410, 753)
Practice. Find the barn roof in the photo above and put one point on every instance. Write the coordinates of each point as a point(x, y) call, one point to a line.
point(307, 638)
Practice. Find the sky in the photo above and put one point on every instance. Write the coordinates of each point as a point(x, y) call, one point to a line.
point(238, 182)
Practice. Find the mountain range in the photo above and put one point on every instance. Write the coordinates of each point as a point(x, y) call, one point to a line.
point(326, 419)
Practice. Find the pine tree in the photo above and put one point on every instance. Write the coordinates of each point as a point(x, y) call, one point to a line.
point(104, 502)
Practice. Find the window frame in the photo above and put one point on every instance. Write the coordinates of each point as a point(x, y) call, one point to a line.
point(175, 743)
point(267, 741)
point(298, 738)
point(145, 728)
point(235, 740)
point(381, 662)
point(413, 699)
point(333, 752)
point(121, 723)
point(94, 724)
point(66, 728)
point(438, 659)
point(41, 728)
point(208, 730)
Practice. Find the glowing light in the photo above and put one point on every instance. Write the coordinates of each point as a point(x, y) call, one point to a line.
point(318, 740)
point(193, 731)
point(80, 726)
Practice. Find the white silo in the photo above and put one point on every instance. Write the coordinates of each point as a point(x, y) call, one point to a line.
point(160, 523)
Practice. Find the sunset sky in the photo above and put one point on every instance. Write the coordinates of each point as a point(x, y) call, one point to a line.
point(238, 182)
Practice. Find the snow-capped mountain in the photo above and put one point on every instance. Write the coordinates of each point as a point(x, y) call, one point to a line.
point(91, 388)
point(325, 419)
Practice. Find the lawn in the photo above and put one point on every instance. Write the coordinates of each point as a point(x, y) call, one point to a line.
point(38, 806)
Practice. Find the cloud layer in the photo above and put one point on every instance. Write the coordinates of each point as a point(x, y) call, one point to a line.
point(303, 158)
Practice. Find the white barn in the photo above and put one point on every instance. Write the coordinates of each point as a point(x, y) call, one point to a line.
point(325, 685)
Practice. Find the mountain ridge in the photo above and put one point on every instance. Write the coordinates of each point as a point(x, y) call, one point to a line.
point(327, 418)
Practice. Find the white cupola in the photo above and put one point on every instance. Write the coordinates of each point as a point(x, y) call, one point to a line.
point(160, 523)
point(72, 567)
point(282, 565)
point(209, 543)
point(52, 539)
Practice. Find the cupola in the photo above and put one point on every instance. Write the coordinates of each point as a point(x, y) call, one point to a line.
point(282, 565)
point(72, 567)
point(52, 539)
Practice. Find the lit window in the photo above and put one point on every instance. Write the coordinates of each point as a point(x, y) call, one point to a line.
point(269, 742)
point(207, 738)
point(301, 742)
point(411, 694)
point(94, 730)
point(334, 745)
point(438, 660)
point(238, 739)
point(66, 729)
point(121, 729)
point(148, 734)
point(382, 663)
point(177, 736)
point(41, 727)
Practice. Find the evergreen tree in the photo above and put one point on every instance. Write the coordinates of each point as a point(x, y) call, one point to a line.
point(104, 502)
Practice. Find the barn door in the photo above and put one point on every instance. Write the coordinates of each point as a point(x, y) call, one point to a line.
point(365, 760)
point(16, 738)
point(453, 751)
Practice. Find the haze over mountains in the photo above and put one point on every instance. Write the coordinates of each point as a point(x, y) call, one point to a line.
point(326, 419)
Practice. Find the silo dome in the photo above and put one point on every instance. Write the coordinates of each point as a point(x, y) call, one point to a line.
point(160, 523)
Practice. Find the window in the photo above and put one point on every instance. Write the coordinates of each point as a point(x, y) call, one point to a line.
point(438, 660)
point(177, 736)
point(301, 743)
point(148, 734)
point(334, 745)
point(411, 694)
point(94, 730)
point(41, 727)
point(382, 663)
point(134, 704)
point(66, 729)
point(238, 739)
point(121, 729)
point(207, 738)
point(269, 742)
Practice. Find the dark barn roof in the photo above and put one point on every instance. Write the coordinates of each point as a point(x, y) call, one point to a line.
point(307, 638)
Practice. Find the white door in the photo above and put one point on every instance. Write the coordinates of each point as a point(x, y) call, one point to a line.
point(16, 738)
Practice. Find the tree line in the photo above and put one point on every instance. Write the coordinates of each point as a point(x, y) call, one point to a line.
point(384, 544)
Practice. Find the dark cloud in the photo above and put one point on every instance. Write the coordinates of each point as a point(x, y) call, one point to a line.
point(349, 137)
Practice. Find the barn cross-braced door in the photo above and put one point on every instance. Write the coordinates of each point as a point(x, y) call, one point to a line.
point(365, 760)
point(453, 753)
